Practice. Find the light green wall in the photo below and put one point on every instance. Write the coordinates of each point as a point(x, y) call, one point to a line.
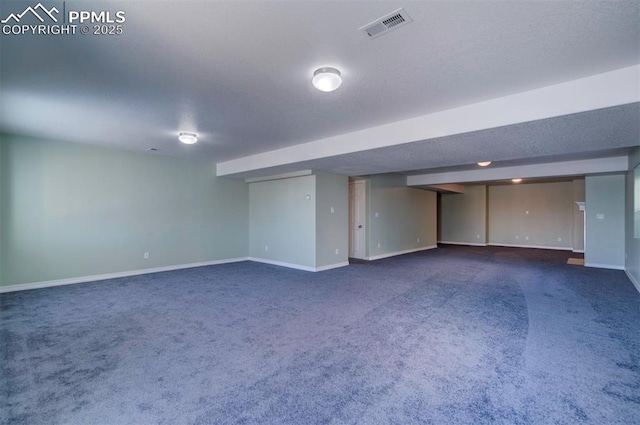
point(4, 181)
point(550, 210)
point(463, 216)
point(332, 228)
point(578, 216)
point(73, 210)
point(404, 215)
point(284, 220)
point(605, 244)
point(632, 263)
point(300, 231)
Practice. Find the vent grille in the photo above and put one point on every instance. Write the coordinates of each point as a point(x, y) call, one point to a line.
point(390, 22)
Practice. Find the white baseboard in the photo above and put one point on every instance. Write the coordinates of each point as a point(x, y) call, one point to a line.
point(299, 266)
point(332, 266)
point(84, 279)
point(462, 243)
point(557, 248)
point(634, 281)
point(408, 251)
point(603, 266)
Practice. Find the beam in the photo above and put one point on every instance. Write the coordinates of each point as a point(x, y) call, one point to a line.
point(619, 87)
point(550, 169)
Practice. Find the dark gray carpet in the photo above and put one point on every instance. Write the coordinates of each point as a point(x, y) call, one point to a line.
point(459, 335)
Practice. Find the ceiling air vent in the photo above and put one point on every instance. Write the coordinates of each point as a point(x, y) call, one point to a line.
point(387, 23)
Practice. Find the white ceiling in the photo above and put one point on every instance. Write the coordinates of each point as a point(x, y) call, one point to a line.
point(238, 73)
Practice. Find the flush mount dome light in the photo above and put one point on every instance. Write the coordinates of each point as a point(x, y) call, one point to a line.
point(484, 163)
point(516, 180)
point(188, 138)
point(326, 79)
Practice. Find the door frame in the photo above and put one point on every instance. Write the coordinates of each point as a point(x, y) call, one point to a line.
point(360, 186)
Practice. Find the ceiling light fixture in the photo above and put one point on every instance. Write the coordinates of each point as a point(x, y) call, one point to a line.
point(188, 138)
point(326, 79)
point(516, 180)
point(484, 163)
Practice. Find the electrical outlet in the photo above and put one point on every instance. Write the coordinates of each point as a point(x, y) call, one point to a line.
point(146, 255)
point(418, 240)
point(477, 236)
point(517, 236)
point(337, 251)
point(559, 239)
point(377, 215)
point(266, 247)
point(333, 210)
point(526, 238)
point(527, 212)
point(378, 244)
point(600, 216)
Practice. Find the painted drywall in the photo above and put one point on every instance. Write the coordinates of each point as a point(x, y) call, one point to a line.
point(332, 219)
point(463, 216)
point(73, 210)
point(632, 262)
point(531, 215)
point(605, 215)
point(619, 87)
point(4, 181)
point(282, 221)
point(400, 218)
point(578, 216)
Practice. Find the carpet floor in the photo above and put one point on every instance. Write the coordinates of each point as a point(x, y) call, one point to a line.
point(457, 335)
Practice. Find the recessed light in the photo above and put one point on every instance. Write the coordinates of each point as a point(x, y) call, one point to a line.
point(484, 163)
point(326, 79)
point(188, 138)
point(516, 180)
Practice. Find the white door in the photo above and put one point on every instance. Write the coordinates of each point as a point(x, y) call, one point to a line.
point(357, 235)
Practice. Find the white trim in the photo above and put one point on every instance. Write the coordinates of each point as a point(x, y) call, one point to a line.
point(557, 248)
point(604, 266)
point(635, 282)
point(84, 279)
point(407, 251)
point(298, 266)
point(579, 251)
point(283, 264)
point(332, 266)
point(463, 243)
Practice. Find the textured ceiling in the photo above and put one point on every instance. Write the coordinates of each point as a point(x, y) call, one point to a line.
point(587, 135)
point(239, 74)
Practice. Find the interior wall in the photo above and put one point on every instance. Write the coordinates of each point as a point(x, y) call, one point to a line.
point(531, 215)
point(282, 221)
point(605, 216)
point(4, 183)
point(632, 234)
point(72, 210)
point(578, 216)
point(332, 219)
point(400, 218)
point(463, 216)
